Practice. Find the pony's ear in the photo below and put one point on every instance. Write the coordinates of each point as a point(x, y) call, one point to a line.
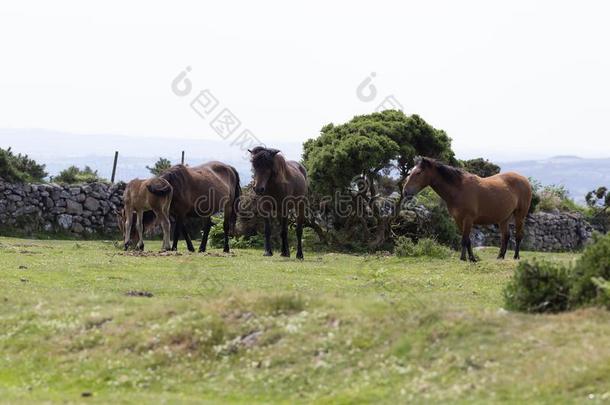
point(273, 151)
point(250, 151)
point(423, 162)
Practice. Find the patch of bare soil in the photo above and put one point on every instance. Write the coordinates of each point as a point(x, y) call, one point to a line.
point(216, 254)
point(139, 253)
point(134, 293)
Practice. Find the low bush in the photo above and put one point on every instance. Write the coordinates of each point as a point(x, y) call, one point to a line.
point(74, 175)
point(427, 247)
point(20, 168)
point(549, 287)
point(440, 226)
point(538, 286)
point(592, 273)
point(552, 198)
point(216, 238)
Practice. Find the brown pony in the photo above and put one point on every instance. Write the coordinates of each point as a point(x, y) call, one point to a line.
point(203, 191)
point(144, 195)
point(283, 187)
point(473, 200)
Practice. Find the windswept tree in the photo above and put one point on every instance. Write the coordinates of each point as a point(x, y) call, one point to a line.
point(20, 168)
point(599, 203)
point(356, 158)
point(160, 166)
point(481, 167)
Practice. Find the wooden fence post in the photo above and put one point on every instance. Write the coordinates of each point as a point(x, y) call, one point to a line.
point(116, 158)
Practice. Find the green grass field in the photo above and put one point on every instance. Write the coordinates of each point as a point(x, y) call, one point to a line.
point(76, 326)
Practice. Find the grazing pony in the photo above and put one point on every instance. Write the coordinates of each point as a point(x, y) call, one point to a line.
point(203, 191)
point(283, 187)
point(141, 196)
point(473, 200)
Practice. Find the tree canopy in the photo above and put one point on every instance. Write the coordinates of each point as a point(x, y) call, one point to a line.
point(160, 166)
point(370, 143)
point(362, 159)
point(481, 167)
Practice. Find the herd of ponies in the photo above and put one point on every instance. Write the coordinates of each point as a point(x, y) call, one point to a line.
point(205, 190)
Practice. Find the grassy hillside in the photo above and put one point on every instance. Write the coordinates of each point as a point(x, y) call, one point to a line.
point(78, 323)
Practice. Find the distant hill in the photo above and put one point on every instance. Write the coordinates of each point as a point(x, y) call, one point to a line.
point(578, 175)
point(59, 150)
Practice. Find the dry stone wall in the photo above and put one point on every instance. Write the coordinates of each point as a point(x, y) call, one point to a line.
point(77, 209)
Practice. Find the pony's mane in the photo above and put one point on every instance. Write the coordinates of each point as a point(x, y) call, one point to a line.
point(450, 174)
point(262, 158)
point(267, 158)
point(177, 176)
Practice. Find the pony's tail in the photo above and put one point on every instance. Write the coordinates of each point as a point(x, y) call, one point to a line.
point(159, 187)
point(236, 199)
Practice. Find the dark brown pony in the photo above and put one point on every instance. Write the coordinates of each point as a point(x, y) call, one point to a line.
point(282, 185)
point(203, 191)
point(473, 200)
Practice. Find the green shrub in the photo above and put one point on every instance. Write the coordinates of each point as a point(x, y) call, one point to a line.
point(427, 247)
point(20, 168)
point(216, 238)
point(441, 226)
point(591, 273)
point(74, 175)
point(598, 214)
point(538, 286)
point(552, 198)
point(247, 242)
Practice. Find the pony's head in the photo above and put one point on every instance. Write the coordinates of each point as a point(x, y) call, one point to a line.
point(267, 165)
point(425, 172)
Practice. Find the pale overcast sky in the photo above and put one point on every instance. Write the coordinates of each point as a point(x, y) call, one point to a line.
point(512, 78)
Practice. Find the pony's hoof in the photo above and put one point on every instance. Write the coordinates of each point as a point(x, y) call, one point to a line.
point(463, 259)
point(141, 248)
point(126, 246)
point(268, 254)
point(473, 260)
point(191, 250)
point(284, 254)
point(300, 256)
point(226, 250)
point(500, 257)
point(201, 251)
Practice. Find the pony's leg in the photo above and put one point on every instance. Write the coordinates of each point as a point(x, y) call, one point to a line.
point(176, 234)
point(519, 222)
point(284, 237)
point(466, 242)
point(166, 226)
point(504, 237)
point(268, 248)
point(128, 222)
point(226, 227)
point(300, 221)
point(187, 238)
point(207, 224)
point(140, 228)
